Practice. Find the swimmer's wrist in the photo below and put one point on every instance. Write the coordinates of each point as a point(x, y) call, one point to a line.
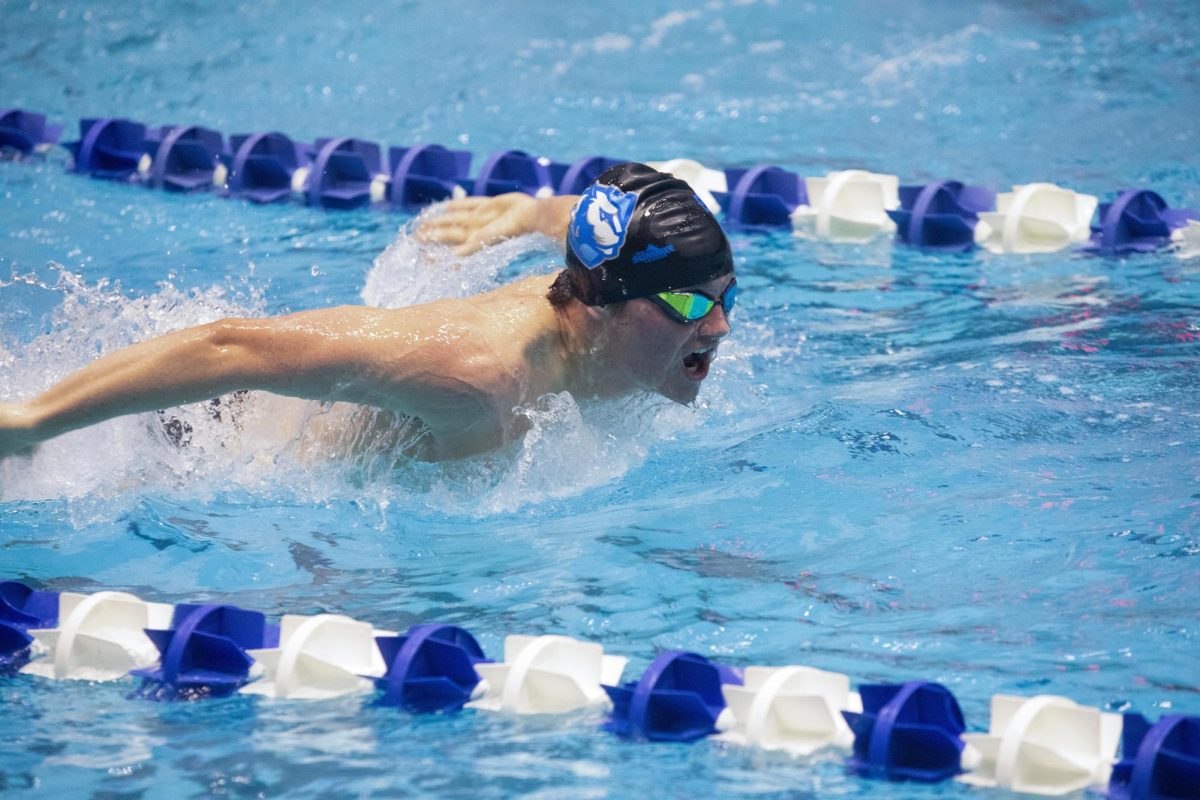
point(21, 426)
point(41, 419)
point(21, 417)
point(553, 215)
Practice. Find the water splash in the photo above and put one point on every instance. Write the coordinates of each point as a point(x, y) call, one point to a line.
point(128, 452)
point(408, 272)
point(294, 450)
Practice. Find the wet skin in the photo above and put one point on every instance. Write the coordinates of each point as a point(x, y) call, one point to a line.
point(463, 367)
point(663, 355)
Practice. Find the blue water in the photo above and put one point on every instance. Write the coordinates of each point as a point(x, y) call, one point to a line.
point(974, 469)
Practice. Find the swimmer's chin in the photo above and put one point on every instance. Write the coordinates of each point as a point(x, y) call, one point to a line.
point(684, 386)
point(682, 393)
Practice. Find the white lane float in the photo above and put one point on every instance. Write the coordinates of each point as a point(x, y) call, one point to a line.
point(100, 637)
point(794, 709)
point(1187, 240)
point(1046, 745)
point(848, 206)
point(1036, 218)
point(328, 655)
point(547, 675)
point(703, 180)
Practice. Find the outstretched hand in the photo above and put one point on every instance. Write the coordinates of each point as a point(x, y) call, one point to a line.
point(472, 223)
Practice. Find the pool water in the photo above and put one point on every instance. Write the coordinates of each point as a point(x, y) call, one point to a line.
point(975, 469)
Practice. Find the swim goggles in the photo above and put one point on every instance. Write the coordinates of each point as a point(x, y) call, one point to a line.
point(693, 306)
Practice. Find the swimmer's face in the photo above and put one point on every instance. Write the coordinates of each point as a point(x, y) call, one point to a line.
point(668, 357)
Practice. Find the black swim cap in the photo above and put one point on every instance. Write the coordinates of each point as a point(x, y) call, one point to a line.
point(636, 232)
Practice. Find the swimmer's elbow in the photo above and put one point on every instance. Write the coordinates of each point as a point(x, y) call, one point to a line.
point(221, 337)
point(224, 338)
point(273, 355)
point(237, 350)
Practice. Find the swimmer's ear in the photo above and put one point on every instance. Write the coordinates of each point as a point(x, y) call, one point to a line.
point(614, 310)
point(601, 314)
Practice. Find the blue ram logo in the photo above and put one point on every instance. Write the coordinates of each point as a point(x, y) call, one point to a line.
point(600, 223)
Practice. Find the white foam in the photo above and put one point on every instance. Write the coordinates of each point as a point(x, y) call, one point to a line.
point(92, 320)
point(407, 272)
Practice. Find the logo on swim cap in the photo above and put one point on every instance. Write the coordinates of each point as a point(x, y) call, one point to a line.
point(600, 223)
point(652, 253)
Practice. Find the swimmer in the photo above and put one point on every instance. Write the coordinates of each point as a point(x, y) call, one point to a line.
point(641, 306)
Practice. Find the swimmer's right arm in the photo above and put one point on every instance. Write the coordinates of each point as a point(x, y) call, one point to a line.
point(359, 354)
point(472, 223)
point(180, 367)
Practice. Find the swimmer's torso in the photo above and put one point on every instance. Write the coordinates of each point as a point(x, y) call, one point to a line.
point(479, 359)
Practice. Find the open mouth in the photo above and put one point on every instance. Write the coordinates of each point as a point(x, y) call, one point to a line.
point(696, 363)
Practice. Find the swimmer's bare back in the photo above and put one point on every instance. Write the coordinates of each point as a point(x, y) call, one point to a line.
point(460, 366)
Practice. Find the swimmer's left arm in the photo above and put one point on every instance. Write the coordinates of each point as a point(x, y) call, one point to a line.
point(472, 223)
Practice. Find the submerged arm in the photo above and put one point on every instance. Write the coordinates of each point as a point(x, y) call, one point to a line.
point(364, 355)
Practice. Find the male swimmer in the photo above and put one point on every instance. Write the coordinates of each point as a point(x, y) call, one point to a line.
point(641, 306)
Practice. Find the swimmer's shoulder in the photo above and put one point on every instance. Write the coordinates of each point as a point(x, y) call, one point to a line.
point(533, 286)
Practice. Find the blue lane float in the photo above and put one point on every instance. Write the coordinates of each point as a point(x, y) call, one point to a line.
point(1160, 762)
point(429, 669)
point(762, 197)
point(512, 171)
point(1137, 221)
point(21, 609)
point(573, 178)
point(941, 215)
point(264, 166)
point(911, 731)
point(908, 731)
point(426, 174)
point(346, 173)
point(26, 131)
point(677, 699)
point(352, 173)
point(186, 158)
point(109, 148)
point(203, 654)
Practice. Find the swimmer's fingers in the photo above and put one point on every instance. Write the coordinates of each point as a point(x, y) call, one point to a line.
point(463, 204)
point(475, 242)
point(479, 210)
point(503, 227)
point(478, 216)
point(427, 231)
point(465, 238)
point(473, 223)
point(460, 217)
point(451, 234)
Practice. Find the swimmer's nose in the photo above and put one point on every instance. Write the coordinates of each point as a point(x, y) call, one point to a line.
point(715, 324)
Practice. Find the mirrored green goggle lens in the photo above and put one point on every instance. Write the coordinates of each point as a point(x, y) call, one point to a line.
point(692, 306)
point(689, 306)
